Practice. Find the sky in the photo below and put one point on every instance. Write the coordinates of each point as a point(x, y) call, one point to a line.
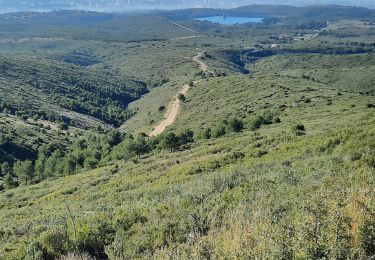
point(125, 5)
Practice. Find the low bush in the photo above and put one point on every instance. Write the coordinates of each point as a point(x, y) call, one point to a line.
point(298, 129)
point(267, 118)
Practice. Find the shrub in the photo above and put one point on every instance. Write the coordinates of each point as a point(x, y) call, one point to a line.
point(63, 126)
point(93, 235)
point(76, 256)
point(181, 97)
point(34, 251)
point(235, 125)
point(90, 163)
point(255, 123)
point(51, 243)
point(298, 129)
point(170, 141)
point(186, 137)
point(367, 234)
point(267, 118)
point(9, 181)
point(204, 134)
point(369, 156)
point(218, 131)
point(139, 146)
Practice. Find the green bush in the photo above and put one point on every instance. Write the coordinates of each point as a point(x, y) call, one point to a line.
point(367, 234)
point(218, 131)
point(204, 134)
point(93, 235)
point(235, 125)
point(267, 118)
point(51, 244)
point(181, 97)
point(298, 129)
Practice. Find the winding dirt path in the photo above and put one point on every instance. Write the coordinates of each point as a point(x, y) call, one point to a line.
point(174, 107)
point(203, 66)
point(183, 27)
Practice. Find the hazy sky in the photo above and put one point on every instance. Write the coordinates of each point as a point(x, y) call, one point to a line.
point(123, 5)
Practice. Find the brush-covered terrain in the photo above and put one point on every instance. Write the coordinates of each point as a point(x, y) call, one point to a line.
point(271, 155)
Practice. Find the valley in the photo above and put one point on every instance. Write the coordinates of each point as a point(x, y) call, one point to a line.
point(158, 136)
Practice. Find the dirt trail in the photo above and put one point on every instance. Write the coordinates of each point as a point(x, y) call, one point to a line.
point(203, 66)
point(174, 107)
point(185, 37)
point(183, 27)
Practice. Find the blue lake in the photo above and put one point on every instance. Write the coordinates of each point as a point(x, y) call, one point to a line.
point(230, 20)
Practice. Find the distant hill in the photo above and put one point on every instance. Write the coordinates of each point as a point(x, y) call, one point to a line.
point(319, 12)
point(126, 5)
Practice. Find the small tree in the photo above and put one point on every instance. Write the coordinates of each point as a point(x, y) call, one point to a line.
point(51, 164)
point(114, 138)
point(70, 165)
point(24, 170)
point(186, 137)
point(170, 141)
point(139, 146)
point(6, 169)
point(39, 165)
point(9, 178)
point(9, 182)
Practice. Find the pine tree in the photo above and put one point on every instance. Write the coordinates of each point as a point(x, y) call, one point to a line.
point(170, 141)
point(40, 165)
point(9, 182)
point(24, 170)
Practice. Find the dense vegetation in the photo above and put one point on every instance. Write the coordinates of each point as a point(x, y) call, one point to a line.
point(272, 154)
point(103, 96)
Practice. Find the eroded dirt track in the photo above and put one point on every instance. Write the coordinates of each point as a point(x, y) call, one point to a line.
point(174, 107)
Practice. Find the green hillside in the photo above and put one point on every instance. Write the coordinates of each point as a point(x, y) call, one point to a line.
point(268, 150)
point(221, 193)
point(54, 86)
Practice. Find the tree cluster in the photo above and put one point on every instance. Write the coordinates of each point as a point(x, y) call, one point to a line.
point(231, 125)
point(88, 153)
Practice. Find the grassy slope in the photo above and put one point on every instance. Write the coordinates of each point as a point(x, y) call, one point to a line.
point(29, 135)
point(50, 86)
point(109, 57)
point(211, 202)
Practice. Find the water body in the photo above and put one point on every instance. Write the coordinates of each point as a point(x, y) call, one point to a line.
point(230, 20)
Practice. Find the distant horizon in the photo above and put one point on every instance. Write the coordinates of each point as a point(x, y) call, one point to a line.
point(8, 6)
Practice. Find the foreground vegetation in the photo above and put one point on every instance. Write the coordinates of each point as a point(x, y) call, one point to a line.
point(309, 193)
